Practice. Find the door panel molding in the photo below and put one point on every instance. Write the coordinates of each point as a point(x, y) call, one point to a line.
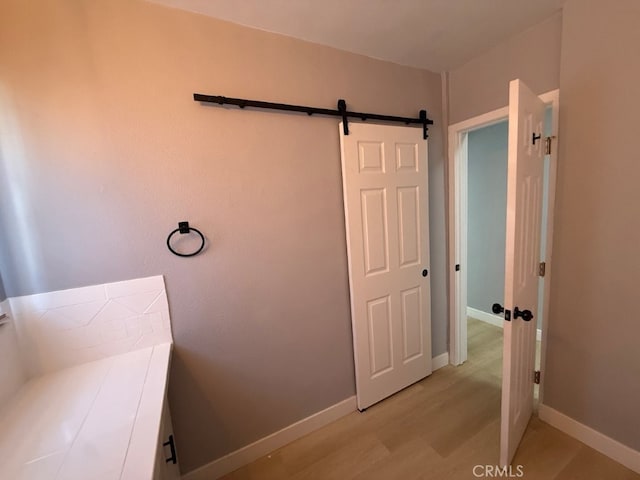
point(385, 187)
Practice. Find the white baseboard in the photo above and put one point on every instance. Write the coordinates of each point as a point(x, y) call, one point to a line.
point(627, 456)
point(440, 361)
point(259, 448)
point(495, 320)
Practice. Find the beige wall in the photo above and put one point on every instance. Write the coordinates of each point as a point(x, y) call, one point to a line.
point(593, 366)
point(482, 84)
point(104, 151)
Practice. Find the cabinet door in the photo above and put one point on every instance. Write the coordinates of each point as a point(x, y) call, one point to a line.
point(166, 470)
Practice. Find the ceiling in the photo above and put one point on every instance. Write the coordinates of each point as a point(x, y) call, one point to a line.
point(438, 35)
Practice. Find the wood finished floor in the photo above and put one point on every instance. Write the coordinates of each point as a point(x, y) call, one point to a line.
point(438, 429)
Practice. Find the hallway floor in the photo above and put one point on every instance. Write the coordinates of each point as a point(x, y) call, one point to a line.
point(439, 428)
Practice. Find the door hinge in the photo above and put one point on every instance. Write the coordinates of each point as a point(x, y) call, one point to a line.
point(547, 145)
point(542, 269)
point(536, 377)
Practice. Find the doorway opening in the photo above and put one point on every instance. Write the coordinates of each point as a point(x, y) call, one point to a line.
point(477, 199)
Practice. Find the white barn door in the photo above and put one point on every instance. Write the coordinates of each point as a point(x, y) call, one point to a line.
point(524, 209)
point(385, 180)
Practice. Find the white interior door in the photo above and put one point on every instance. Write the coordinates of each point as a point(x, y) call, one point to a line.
point(385, 180)
point(524, 207)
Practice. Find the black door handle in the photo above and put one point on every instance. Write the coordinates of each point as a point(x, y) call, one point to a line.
point(170, 443)
point(498, 309)
point(526, 315)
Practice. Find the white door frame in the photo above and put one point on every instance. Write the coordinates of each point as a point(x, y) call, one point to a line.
point(457, 166)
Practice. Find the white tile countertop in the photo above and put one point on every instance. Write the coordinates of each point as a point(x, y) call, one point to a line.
point(95, 421)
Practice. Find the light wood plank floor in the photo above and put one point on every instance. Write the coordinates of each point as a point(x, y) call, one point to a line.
point(439, 428)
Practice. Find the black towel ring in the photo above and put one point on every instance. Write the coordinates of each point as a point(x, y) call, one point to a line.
point(183, 227)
